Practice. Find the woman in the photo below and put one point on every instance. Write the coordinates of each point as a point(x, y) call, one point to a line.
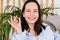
point(30, 26)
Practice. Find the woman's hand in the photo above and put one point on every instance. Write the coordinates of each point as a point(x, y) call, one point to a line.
point(15, 22)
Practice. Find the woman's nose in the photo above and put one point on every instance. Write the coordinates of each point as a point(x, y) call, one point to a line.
point(31, 13)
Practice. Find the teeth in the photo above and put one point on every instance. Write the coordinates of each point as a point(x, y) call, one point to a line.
point(31, 18)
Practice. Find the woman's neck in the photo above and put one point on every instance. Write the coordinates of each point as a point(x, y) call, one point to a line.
point(31, 29)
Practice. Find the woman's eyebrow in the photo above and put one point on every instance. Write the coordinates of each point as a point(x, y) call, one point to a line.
point(29, 9)
point(35, 9)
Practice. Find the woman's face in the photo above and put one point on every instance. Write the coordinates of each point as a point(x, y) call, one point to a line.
point(31, 12)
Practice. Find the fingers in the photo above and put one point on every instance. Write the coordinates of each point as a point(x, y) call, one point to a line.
point(18, 20)
point(11, 19)
point(15, 18)
point(9, 22)
point(13, 22)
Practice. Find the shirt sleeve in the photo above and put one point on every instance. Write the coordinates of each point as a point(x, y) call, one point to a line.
point(21, 36)
point(52, 34)
point(56, 36)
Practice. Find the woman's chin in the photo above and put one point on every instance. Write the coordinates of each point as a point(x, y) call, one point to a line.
point(31, 22)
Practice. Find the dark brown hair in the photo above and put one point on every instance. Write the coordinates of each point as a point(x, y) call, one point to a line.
point(38, 24)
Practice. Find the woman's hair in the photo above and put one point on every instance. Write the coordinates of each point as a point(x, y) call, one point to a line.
point(38, 24)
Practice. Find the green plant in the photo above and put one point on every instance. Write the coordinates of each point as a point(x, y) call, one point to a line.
point(45, 11)
point(5, 26)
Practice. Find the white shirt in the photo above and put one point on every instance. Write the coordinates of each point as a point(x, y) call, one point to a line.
point(46, 34)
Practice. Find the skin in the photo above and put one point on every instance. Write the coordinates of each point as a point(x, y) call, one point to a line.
point(30, 14)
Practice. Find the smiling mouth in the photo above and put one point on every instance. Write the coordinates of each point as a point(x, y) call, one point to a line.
point(32, 18)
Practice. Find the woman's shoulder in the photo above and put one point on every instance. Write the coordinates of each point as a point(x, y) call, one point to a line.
point(47, 27)
point(48, 30)
point(46, 33)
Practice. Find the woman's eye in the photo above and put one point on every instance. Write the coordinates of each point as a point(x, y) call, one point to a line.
point(27, 11)
point(35, 11)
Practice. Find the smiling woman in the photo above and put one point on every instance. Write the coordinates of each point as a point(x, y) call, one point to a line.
point(31, 14)
point(30, 25)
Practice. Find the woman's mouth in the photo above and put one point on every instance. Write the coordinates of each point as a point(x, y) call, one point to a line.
point(31, 18)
